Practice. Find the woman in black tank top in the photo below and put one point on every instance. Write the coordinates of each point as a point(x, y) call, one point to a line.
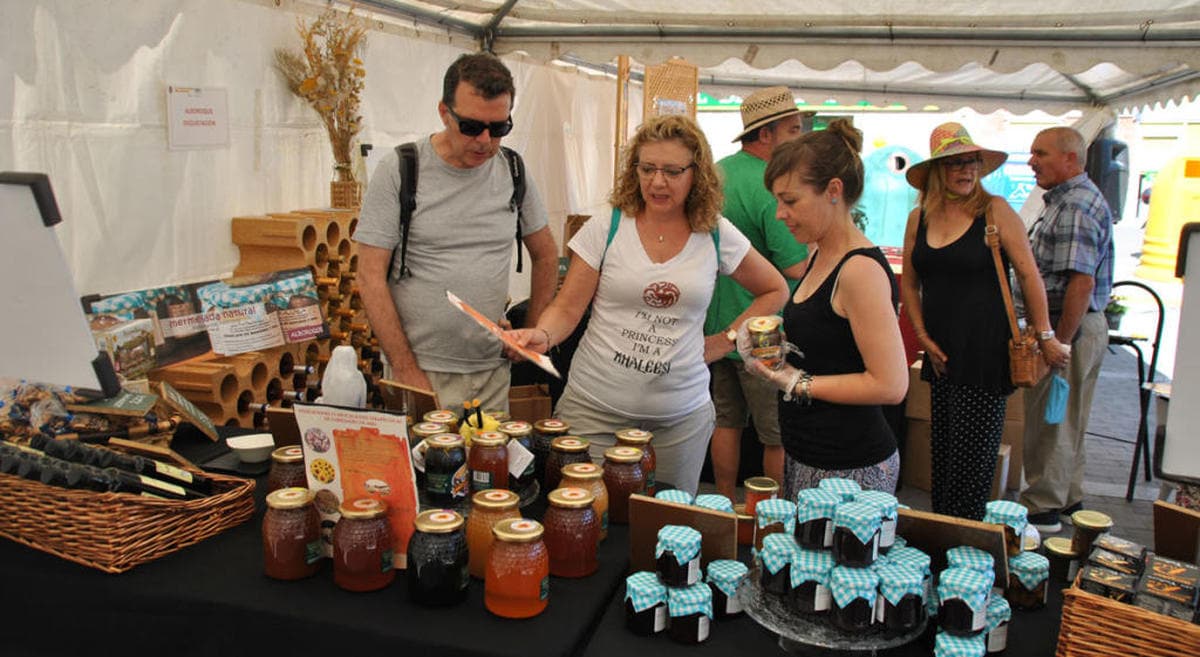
point(842, 317)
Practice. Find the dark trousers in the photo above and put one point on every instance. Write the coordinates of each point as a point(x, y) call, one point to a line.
point(966, 425)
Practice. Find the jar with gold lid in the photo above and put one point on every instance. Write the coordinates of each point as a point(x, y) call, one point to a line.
point(572, 532)
point(564, 450)
point(640, 439)
point(488, 461)
point(517, 582)
point(545, 431)
point(287, 469)
point(623, 477)
point(589, 477)
point(291, 535)
point(438, 559)
point(1088, 525)
point(487, 508)
point(363, 546)
point(522, 432)
point(446, 472)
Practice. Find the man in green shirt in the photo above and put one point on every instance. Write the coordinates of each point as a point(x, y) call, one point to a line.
point(769, 118)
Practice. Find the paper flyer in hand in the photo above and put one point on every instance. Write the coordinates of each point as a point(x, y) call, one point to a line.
point(541, 360)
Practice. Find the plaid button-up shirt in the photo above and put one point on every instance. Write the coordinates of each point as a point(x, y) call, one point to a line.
point(1073, 234)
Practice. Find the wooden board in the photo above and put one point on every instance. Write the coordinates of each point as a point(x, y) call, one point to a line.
point(189, 412)
point(647, 515)
point(934, 533)
point(1176, 532)
point(282, 422)
point(400, 397)
point(125, 403)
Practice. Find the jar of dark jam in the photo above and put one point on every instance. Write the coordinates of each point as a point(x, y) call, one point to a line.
point(445, 469)
point(287, 469)
point(856, 534)
point(1063, 562)
point(854, 591)
point(645, 604)
point(950, 645)
point(488, 461)
point(572, 533)
point(641, 439)
point(442, 416)
point(623, 477)
point(999, 613)
point(677, 555)
point(564, 450)
point(291, 535)
point(921, 562)
point(589, 477)
point(1013, 517)
point(724, 576)
point(845, 489)
point(691, 613)
point(888, 506)
point(810, 581)
point(1088, 525)
point(902, 598)
point(544, 432)
point(775, 558)
point(1027, 575)
point(517, 582)
point(362, 546)
point(676, 496)
point(773, 516)
point(814, 518)
point(522, 432)
point(437, 559)
point(962, 601)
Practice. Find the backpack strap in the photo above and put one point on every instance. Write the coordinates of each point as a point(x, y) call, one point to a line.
point(516, 168)
point(615, 223)
point(407, 156)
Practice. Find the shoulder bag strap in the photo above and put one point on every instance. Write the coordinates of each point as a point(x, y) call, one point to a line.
point(992, 235)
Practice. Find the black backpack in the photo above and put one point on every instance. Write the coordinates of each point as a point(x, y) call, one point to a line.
point(408, 201)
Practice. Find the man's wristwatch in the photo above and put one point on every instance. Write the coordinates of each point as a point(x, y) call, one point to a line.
point(1042, 336)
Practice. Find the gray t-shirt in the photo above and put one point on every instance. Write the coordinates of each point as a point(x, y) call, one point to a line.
point(461, 240)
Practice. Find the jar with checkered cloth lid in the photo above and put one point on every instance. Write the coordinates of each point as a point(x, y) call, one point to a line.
point(814, 518)
point(887, 504)
point(691, 613)
point(999, 613)
point(962, 600)
point(1013, 517)
point(810, 581)
point(645, 604)
point(775, 558)
point(912, 557)
point(714, 502)
point(772, 517)
point(677, 555)
point(901, 605)
point(1027, 575)
point(724, 576)
point(843, 488)
point(965, 556)
point(854, 591)
point(675, 495)
point(856, 534)
point(949, 645)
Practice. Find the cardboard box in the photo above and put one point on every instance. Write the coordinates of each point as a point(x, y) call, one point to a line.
point(530, 403)
point(916, 462)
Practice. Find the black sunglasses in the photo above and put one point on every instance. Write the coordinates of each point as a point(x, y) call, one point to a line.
point(475, 127)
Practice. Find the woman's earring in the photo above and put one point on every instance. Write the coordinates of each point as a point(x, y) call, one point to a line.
point(833, 200)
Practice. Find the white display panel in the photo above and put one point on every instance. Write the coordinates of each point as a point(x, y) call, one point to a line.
point(1181, 449)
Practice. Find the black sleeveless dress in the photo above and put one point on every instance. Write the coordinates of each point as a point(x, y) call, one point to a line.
point(963, 309)
point(826, 435)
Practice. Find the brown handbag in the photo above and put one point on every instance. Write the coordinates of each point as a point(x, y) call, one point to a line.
point(1026, 365)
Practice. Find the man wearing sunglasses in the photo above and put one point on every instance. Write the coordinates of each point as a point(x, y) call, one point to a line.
point(460, 238)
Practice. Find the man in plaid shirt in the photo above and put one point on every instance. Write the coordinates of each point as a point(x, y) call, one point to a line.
point(1072, 244)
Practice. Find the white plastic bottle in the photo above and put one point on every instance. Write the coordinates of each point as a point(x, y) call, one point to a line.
point(343, 384)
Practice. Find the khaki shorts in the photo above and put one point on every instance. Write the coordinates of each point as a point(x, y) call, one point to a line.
point(489, 386)
point(737, 394)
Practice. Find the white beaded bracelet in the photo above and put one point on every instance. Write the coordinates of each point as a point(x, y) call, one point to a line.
point(790, 393)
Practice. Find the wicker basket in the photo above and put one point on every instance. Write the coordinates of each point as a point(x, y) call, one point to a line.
point(117, 531)
point(1095, 626)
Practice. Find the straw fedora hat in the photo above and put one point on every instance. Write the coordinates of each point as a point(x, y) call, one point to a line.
point(765, 106)
point(949, 140)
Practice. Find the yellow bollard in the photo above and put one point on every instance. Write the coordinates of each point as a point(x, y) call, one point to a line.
point(1174, 202)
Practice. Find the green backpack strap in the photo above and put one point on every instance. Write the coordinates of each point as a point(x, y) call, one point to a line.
point(615, 223)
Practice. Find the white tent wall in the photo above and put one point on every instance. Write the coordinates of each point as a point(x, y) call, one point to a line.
point(83, 99)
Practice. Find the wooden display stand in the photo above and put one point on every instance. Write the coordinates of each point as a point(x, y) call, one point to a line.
point(718, 530)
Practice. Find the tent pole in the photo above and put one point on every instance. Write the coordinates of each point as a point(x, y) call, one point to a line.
point(622, 113)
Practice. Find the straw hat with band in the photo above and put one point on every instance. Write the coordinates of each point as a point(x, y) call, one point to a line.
point(765, 106)
point(951, 140)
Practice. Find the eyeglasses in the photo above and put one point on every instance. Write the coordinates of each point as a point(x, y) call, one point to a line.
point(962, 162)
point(475, 127)
point(671, 173)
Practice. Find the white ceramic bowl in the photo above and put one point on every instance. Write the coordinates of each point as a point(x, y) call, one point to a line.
point(252, 448)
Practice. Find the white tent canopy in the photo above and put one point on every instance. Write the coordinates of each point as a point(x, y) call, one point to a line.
point(1020, 55)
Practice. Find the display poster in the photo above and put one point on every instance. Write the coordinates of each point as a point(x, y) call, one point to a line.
point(352, 453)
point(260, 311)
point(170, 314)
point(197, 118)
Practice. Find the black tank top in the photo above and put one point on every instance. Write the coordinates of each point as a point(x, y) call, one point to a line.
point(827, 435)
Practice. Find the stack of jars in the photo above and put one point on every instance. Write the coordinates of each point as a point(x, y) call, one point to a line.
point(973, 615)
point(674, 598)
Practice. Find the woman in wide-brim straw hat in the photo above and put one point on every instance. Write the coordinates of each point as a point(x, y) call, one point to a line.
point(952, 296)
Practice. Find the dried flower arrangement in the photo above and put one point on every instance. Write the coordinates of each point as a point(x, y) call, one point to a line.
point(329, 75)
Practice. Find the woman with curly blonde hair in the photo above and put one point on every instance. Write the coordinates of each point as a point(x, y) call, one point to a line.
point(648, 273)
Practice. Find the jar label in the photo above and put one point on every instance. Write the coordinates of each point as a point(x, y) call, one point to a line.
point(887, 533)
point(660, 618)
point(459, 483)
point(520, 459)
point(822, 598)
point(481, 480)
point(313, 551)
point(997, 639)
point(702, 628)
point(880, 606)
point(544, 592)
point(693, 571)
point(828, 540)
point(386, 561)
point(732, 605)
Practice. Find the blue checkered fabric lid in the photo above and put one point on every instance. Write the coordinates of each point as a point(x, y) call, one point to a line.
point(971, 586)
point(714, 502)
point(814, 503)
point(674, 495)
point(778, 550)
point(844, 488)
point(848, 584)
point(811, 566)
point(897, 580)
point(727, 575)
point(1003, 512)
point(643, 590)
point(1030, 568)
point(684, 542)
point(862, 519)
point(232, 297)
point(769, 512)
point(899, 542)
point(910, 556)
point(886, 502)
point(948, 645)
point(998, 611)
point(965, 556)
point(687, 600)
point(208, 295)
point(119, 302)
point(297, 284)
